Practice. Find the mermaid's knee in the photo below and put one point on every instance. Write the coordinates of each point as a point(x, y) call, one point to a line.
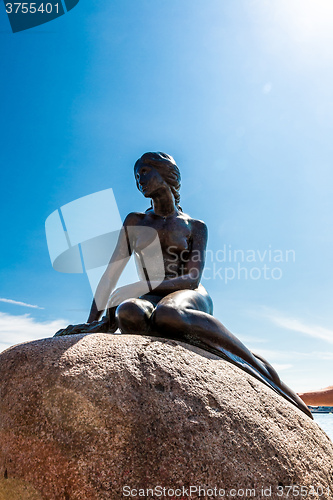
point(132, 316)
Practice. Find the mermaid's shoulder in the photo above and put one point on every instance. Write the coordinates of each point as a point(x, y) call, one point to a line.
point(133, 218)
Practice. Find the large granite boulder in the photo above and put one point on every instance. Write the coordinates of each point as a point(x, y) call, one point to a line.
point(109, 416)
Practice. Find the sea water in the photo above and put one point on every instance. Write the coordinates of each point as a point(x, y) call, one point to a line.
point(325, 421)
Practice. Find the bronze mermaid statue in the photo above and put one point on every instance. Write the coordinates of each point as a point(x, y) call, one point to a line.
point(176, 305)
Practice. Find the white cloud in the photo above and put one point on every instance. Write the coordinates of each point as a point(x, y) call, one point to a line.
point(24, 328)
point(327, 356)
point(17, 303)
point(247, 339)
point(286, 355)
point(279, 367)
point(296, 325)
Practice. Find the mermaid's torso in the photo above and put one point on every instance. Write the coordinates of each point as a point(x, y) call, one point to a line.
point(161, 245)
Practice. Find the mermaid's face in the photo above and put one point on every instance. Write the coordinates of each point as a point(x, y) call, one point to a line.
point(148, 180)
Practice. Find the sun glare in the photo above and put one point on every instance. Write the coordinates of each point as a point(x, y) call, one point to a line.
point(309, 19)
point(304, 26)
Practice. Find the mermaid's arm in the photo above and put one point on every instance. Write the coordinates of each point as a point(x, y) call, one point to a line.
point(118, 261)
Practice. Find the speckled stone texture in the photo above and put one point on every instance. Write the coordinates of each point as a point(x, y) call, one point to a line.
point(83, 416)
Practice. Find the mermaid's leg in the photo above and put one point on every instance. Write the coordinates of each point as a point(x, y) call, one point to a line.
point(133, 316)
point(185, 316)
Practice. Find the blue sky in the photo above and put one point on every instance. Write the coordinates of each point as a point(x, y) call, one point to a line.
point(241, 94)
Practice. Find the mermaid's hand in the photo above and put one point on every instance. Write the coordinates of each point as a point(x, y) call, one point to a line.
point(72, 330)
point(93, 327)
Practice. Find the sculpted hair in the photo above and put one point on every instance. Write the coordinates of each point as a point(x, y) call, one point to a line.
point(167, 168)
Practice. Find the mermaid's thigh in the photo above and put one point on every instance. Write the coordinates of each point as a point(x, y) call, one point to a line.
point(178, 310)
point(187, 300)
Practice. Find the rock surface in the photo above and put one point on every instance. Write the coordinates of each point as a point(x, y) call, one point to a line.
point(83, 416)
